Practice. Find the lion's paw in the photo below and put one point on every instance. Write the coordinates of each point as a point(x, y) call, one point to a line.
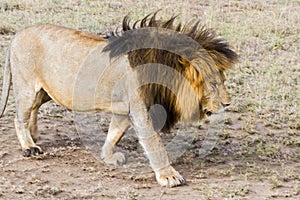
point(32, 151)
point(169, 177)
point(116, 158)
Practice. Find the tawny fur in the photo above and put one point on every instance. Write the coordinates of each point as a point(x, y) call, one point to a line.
point(180, 67)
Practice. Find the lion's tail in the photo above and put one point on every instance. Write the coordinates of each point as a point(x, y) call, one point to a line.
point(6, 84)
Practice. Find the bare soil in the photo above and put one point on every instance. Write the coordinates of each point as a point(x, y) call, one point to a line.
point(70, 170)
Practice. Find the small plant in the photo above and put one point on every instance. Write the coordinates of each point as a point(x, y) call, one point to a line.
point(275, 181)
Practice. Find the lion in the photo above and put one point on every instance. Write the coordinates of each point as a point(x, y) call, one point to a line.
point(180, 67)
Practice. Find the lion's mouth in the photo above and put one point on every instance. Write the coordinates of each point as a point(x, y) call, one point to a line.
point(208, 112)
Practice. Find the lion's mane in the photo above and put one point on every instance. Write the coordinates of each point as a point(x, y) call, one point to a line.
point(150, 43)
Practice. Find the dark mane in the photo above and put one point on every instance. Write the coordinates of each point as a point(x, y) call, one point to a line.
point(215, 46)
point(190, 49)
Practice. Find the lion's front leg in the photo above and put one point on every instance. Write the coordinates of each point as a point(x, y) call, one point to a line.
point(154, 148)
point(118, 125)
point(165, 174)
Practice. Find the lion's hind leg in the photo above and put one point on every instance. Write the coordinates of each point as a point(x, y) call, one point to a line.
point(41, 98)
point(27, 104)
point(118, 125)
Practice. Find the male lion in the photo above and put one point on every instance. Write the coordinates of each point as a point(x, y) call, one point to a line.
point(180, 67)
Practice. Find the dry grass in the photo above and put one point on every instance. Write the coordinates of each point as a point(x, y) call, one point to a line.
point(265, 85)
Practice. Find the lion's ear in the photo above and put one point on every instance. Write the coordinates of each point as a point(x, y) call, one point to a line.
point(195, 74)
point(204, 64)
point(190, 72)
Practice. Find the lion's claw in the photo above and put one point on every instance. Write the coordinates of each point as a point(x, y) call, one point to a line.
point(177, 181)
point(169, 177)
point(32, 151)
point(173, 181)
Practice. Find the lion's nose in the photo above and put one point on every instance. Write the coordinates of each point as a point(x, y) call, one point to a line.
point(225, 104)
point(207, 112)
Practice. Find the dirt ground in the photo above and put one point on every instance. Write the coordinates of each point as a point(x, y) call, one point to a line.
point(254, 155)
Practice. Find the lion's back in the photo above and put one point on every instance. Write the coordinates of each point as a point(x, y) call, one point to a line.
point(60, 59)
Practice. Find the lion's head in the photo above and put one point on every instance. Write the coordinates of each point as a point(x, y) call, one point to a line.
point(181, 67)
point(208, 83)
point(215, 96)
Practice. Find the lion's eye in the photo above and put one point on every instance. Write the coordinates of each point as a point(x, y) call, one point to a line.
point(215, 85)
